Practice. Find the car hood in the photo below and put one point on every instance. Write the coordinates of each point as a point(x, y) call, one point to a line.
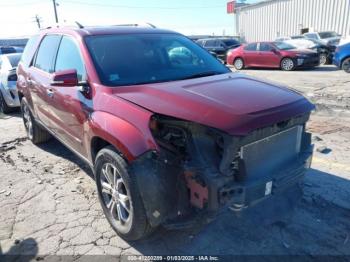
point(233, 103)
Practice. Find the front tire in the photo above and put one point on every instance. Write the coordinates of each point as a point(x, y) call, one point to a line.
point(287, 64)
point(346, 65)
point(119, 196)
point(35, 133)
point(238, 63)
point(323, 59)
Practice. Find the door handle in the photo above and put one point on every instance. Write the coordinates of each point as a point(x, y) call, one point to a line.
point(49, 92)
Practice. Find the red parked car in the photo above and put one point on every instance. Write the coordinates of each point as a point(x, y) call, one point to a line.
point(272, 55)
point(172, 135)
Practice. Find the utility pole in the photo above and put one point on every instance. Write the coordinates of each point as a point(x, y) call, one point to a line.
point(37, 20)
point(55, 9)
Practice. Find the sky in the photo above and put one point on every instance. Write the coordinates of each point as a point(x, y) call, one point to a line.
point(185, 16)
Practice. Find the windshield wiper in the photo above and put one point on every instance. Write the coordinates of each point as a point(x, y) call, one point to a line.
point(203, 74)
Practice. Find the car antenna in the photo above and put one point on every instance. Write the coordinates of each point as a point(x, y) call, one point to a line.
point(79, 25)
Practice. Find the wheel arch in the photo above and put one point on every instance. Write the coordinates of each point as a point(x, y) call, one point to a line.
point(342, 61)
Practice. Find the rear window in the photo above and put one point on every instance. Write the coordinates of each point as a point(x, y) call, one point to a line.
point(28, 51)
point(251, 47)
point(14, 59)
point(231, 42)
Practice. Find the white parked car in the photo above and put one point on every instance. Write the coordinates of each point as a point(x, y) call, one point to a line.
point(327, 37)
point(282, 38)
point(301, 43)
point(8, 79)
point(344, 40)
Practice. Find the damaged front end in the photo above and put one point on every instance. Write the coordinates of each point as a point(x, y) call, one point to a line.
point(199, 170)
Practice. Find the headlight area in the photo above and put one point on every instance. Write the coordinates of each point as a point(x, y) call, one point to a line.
point(176, 181)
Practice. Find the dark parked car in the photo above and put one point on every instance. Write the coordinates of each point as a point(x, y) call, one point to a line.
point(326, 51)
point(8, 50)
point(219, 46)
point(172, 135)
point(342, 57)
point(272, 55)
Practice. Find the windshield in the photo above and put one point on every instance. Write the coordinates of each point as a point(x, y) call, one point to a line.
point(132, 59)
point(231, 42)
point(324, 35)
point(284, 46)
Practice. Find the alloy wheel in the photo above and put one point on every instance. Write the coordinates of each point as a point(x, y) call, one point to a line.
point(238, 64)
point(28, 124)
point(287, 64)
point(323, 59)
point(115, 194)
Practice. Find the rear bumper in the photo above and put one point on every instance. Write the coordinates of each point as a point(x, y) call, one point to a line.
point(10, 95)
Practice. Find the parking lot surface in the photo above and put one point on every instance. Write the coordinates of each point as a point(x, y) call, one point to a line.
point(49, 203)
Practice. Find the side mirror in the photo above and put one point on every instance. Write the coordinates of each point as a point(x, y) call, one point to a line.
point(274, 50)
point(66, 78)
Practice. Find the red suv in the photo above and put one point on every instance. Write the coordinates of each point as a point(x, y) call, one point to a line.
point(172, 135)
point(272, 55)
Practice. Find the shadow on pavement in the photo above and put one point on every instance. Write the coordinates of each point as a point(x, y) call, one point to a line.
point(55, 147)
point(16, 113)
point(23, 251)
point(318, 226)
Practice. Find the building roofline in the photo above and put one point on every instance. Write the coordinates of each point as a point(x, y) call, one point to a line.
point(263, 2)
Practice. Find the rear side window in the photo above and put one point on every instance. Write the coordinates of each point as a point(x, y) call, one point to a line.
point(28, 51)
point(68, 57)
point(251, 47)
point(210, 43)
point(47, 52)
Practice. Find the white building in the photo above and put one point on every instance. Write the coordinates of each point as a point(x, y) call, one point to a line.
point(269, 19)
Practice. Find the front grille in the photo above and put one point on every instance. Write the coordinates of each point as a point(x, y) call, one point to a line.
point(271, 154)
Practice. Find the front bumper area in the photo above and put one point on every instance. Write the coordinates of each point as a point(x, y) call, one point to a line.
point(176, 190)
point(309, 61)
point(244, 195)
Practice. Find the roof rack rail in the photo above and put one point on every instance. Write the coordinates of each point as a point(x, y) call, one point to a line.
point(138, 25)
point(59, 25)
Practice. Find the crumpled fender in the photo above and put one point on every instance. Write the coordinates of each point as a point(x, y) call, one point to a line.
point(132, 141)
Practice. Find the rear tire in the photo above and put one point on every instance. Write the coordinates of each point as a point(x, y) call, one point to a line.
point(35, 133)
point(238, 63)
point(346, 65)
point(119, 196)
point(4, 108)
point(287, 64)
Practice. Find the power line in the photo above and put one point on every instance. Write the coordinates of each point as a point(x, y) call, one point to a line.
point(141, 7)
